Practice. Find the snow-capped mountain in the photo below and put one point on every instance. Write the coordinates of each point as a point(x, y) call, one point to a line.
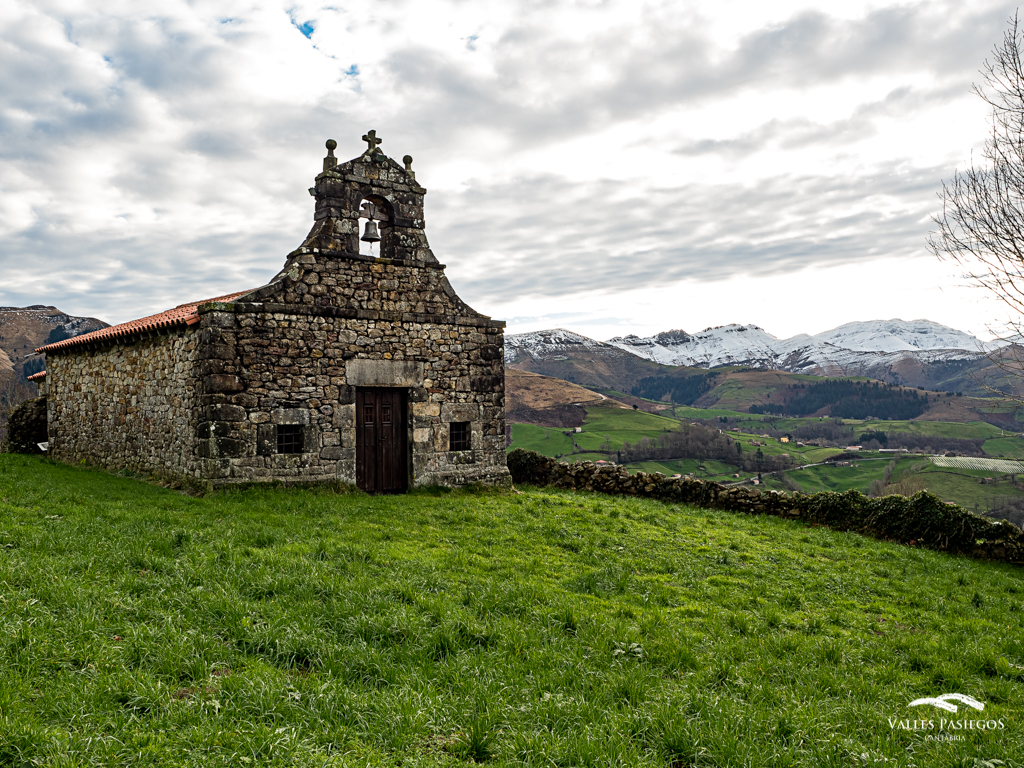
point(712, 347)
point(896, 335)
point(915, 353)
point(550, 345)
point(848, 350)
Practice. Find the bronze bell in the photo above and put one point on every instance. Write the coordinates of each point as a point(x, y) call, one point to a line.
point(370, 235)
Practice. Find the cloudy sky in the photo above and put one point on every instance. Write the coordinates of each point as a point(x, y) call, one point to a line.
point(608, 167)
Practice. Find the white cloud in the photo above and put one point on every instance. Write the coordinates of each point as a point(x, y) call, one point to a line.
point(578, 153)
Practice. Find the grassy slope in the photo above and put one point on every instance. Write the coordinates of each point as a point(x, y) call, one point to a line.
point(686, 412)
point(618, 425)
point(551, 441)
point(856, 478)
point(970, 430)
point(301, 627)
point(959, 486)
point(738, 392)
point(962, 488)
point(1006, 447)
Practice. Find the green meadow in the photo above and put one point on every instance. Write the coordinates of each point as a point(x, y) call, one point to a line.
point(317, 627)
point(607, 428)
point(550, 441)
point(1004, 447)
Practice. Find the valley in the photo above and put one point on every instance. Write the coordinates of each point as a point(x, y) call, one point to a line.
point(781, 430)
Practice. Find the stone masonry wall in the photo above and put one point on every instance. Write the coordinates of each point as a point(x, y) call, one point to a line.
point(295, 351)
point(290, 363)
point(127, 406)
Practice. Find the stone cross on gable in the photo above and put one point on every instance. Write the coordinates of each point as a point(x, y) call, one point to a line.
point(370, 137)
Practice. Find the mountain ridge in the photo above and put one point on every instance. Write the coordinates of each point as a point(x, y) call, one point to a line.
point(23, 329)
point(830, 351)
point(909, 353)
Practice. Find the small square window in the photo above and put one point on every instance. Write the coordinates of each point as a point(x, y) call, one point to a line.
point(289, 438)
point(459, 436)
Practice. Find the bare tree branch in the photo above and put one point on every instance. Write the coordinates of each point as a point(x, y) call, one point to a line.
point(981, 224)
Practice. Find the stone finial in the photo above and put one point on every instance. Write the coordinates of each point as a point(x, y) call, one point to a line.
point(408, 165)
point(330, 161)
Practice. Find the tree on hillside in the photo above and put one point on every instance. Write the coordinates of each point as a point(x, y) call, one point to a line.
point(13, 392)
point(981, 225)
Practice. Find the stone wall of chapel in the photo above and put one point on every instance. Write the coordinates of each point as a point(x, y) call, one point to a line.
point(282, 367)
point(127, 406)
point(281, 355)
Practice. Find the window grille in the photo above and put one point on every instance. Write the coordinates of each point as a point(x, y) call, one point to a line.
point(459, 436)
point(289, 438)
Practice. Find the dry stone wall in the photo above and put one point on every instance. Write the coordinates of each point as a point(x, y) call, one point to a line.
point(922, 520)
point(127, 406)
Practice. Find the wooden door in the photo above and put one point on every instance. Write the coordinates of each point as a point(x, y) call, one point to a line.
point(381, 463)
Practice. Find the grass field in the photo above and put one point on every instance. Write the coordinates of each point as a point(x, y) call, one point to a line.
point(305, 627)
point(684, 412)
point(960, 486)
point(712, 470)
point(734, 393)
point(619, 425)
point(999, 466)
point(963, 489)
point(1005, 447)
point(856, 477)
point(611, 425)
point(551, 441)
point(971, 430)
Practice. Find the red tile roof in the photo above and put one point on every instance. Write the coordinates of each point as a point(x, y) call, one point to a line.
point(36, 376)
point(183, 314)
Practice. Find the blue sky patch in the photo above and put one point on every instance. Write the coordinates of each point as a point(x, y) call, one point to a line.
point(307, 27)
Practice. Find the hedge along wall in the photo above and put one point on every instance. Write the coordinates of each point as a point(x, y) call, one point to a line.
point(922, 520)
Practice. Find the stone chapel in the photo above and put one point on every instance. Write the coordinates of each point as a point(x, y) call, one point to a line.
point(364, 369)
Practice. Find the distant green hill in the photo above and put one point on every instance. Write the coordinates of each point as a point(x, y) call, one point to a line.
point(625, 376)
point(302, 627)
point(632, 437)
